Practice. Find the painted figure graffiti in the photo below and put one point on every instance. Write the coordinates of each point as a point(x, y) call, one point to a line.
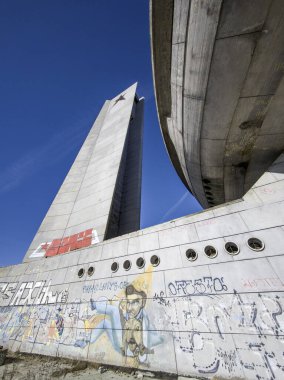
point(126, 324)
point(59, 322)
point(133, 324)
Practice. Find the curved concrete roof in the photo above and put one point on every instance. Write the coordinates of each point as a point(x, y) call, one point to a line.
point(218, 72)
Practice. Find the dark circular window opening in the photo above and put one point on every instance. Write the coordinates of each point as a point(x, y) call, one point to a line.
point(81, 272)
point(191, 255)
point(140, 262)
point(210, 251)
point(255, 244)
point(127, 265)
point(232, 248)
point(91, 271)
point(155, 261)
point(114, 267)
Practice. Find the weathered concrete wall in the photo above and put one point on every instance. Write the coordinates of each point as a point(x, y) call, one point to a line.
point(220, 316)
point(86, 196)
point(218, 74)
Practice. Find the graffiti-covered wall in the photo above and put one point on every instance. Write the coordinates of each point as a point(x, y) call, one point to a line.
point(201, 295)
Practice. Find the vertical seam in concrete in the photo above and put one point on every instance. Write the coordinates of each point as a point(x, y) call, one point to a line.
point(270, 265)
point(174, 348)
point(240, 214)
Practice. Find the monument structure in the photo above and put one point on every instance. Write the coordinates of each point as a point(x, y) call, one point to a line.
point(101, 196)
point(201, 295)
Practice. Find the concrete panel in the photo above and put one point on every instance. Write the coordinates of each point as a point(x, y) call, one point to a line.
point(242, 17)
point(244, 272)
point(65, 197)
point(91, 190)
point(219, 227)
point(230, 62)
point(265, 74)
point(143, 243)
point(54, 223)
point(69, 186)
point(58, 209)
point(177, 235)
point(276, 263)
point(93, 213)
point(159, 227)
point(90, 255)
point(269, 193)
point(115, 249)
point(265, 216)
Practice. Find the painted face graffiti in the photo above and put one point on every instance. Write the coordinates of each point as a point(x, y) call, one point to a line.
point(135, 301)
point(133, 343)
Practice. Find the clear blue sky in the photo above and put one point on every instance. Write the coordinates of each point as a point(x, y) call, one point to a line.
point(60, 60)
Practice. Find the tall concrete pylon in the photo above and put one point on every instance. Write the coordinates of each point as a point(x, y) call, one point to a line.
point(101, 195)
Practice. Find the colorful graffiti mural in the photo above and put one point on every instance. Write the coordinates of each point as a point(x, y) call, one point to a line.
point(206, 326)
point(126, 324)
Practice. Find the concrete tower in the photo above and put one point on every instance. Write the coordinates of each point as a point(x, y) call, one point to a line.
point(100, 196)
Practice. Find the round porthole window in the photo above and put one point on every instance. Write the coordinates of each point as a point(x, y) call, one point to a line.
point(191, 255)
point(91, 271)
point(210, 251)
point(140, 262)
point(81, 272)
point(127, 265)
point(114, 267)
point(232, 248)
point(155, 261)
point(255, 244)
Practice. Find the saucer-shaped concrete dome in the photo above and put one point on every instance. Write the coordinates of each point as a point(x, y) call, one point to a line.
point(218, 72)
